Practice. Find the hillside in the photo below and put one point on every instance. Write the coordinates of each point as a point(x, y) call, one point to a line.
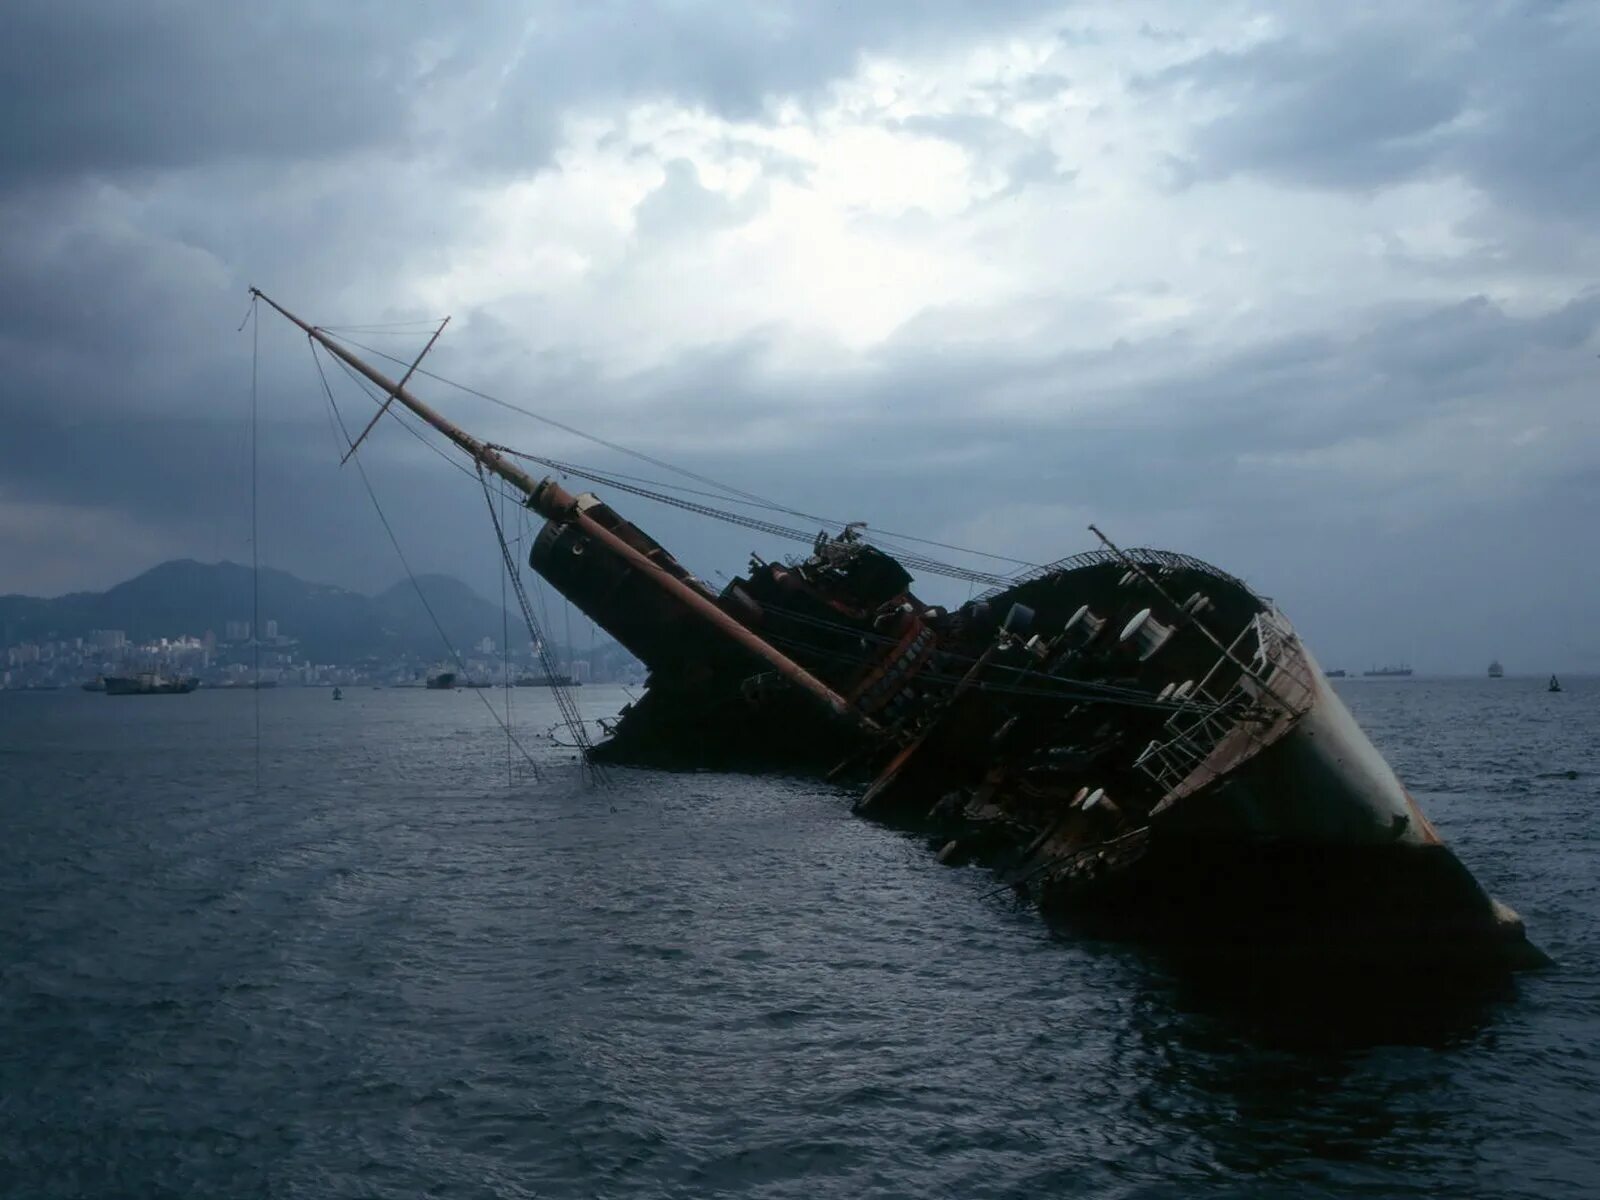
point(331, 624)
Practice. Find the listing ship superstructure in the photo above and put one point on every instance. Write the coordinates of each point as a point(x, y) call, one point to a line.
point(1134, 739)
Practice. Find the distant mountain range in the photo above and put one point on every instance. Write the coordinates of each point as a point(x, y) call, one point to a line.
point(330, 624)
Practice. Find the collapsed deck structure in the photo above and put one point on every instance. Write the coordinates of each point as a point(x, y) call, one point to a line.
point(1134, 739)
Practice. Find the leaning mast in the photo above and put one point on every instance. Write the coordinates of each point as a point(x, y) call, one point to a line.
point(553, 502)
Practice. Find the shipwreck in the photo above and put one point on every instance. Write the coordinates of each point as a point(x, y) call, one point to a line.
point(1134, 740)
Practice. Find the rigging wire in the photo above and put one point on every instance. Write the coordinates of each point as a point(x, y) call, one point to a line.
point(367, 388)
point(255, 542)
point(505, 654)
point(1066, 688)
point(524, 551)
point(565, 704)
point(421, 324)
point(570, 714)
point(410, 574)
point(728, 494)
point(1060, 689)
point(728, 491)
point(911, 561)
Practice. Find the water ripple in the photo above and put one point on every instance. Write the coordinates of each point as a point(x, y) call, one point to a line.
point(389, 974)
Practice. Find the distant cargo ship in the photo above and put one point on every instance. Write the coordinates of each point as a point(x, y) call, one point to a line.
point(548, 681)
point(1339, 674)
point(1388, 671)
point(442, 682)
point(148, 683)
point(1496, 671)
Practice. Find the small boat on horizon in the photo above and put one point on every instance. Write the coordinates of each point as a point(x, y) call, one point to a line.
point(1396, 671)
point(148, 683)
point(1555, 685)
point(1496, 671)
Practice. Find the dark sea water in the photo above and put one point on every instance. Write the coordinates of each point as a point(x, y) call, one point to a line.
point(387, 973)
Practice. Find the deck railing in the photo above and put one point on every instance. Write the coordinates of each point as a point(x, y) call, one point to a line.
point(1198, 725)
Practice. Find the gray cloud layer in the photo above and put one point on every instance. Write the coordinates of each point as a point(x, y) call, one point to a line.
point(1392, 448)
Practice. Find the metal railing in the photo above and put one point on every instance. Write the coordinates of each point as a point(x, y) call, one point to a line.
point(1202, 721)
point(1145, 557)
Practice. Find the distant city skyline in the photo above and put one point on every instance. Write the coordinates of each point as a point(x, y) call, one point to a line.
point(237, 630)
point(220, 649)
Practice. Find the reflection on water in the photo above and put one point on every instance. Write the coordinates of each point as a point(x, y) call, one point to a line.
point(1290, 1005)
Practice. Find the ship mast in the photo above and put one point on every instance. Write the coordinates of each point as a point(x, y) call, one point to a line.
point(553, 502)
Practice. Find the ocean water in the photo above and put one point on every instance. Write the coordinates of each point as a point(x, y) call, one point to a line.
point(391, 972)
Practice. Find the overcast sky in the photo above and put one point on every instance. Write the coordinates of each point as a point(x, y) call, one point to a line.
point(1309, 291)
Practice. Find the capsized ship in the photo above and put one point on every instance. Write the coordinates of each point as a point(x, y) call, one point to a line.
point(1134, 739)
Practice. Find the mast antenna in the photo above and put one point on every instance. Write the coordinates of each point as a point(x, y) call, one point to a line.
point(553, 502)
point(404, 379)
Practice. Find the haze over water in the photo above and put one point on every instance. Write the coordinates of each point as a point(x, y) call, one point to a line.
point(387, 973)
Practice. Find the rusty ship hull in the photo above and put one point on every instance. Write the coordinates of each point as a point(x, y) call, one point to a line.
point(1134, 740)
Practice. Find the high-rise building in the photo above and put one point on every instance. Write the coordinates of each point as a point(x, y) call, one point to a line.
point(237, 631)
point(272, 629)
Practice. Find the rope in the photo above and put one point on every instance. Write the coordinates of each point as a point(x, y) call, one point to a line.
point(1070, 860)
point(255, 542)
point(912, 561)
point(1058, 688)
point(505, 655)
point(565, 704)
point(401, 555)
point(725, 491)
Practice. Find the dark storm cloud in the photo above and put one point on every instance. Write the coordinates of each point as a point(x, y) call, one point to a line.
point(1256, 458)
point(1354, 114)
point(729, 59)
point(1084, 414)
point(92, 88)
point(1539, 145)
point(1499, 94)
point(162, 157)
point(100, 89)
